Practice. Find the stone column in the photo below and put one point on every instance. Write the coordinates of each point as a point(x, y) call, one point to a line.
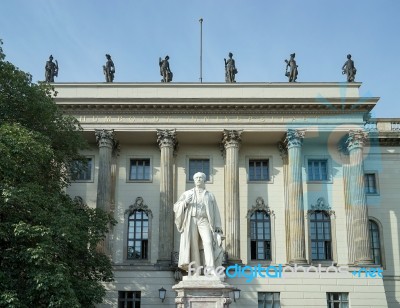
point(167, 142)
point(284, 154)
point(359, 210)
point(106, 142)
point(294, 140)
point(231, 141)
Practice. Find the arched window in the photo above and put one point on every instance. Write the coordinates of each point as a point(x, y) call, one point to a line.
point(375, 242)
point(260, 236)
point(320, 233)
point(138, 235)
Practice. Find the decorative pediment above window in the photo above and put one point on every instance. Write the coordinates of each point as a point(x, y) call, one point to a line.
point(260, 206)
point(139, 205)
point(321, 205)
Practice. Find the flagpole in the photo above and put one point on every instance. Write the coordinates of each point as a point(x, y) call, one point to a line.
point(201, 50)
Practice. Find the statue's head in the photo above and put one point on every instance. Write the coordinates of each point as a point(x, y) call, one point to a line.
point(167, 58)
point(230, 55)
point(108, 56)
point(292, 55)
point(51, 57)
point(199, 178)
point(349, 56)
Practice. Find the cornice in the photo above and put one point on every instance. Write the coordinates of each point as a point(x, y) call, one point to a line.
point(213, 98)
point(207, 107)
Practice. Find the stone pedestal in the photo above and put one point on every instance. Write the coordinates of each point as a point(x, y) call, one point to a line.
point(203, 292)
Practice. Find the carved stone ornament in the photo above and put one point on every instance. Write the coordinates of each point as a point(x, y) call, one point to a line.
point(356, 139)
point(79, 201)
point(139, 205)
point(260, 206)
point(294, 138)
point(166, 138)
point(105, 137)
point(231, 137)
point(321, 205)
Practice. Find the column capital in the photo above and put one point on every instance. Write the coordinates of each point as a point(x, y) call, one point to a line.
point(294, 138)
point(166, 138)
point(105, 138)
point(356, 139)
point(231, 138)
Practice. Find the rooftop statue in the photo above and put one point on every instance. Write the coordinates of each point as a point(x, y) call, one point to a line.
point(349, 69)
point(51, 69)
point(230, 69)
point(293, 72)
point(165, 71)
point(109, 69)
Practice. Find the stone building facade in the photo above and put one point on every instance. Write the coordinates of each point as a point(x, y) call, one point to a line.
point(301, 174)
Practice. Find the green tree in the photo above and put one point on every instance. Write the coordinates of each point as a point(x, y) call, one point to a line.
point(48, 241)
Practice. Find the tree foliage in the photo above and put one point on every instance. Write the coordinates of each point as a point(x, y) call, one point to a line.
point(48, 241)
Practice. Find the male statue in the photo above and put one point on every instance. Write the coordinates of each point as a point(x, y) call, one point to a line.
point(230, 69)
point(109, 69)
point(165, 72)
point(198, 220)
point(349, 69)
point(51, 70)
point(291, 63)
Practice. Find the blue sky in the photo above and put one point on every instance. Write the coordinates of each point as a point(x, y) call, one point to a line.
point(260, 34)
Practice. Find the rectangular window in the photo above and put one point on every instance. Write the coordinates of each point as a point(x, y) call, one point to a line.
point(128, 299)
point(337, 300)
point(199, 165)
point(370, 183)
point(317, 170)
point(258, 170)
point(269, 300)
point(82, 170)
point(140, 169)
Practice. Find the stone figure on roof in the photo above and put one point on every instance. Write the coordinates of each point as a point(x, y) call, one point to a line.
point(198, 220)
point(109, 69)
point(230, 69)
point(51, 70)
point(293, 71)
point(349, 69)
point(165, 71)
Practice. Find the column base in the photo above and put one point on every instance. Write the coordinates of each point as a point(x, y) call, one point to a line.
point(234, 261)
point(363, 263)
point(165, 264)
point(298, 262)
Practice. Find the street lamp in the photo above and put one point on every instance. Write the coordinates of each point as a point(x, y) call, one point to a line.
point(161, 293)
point(236, 294)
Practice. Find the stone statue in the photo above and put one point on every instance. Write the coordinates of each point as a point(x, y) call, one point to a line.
point(109, 69)
point(165, 72)
point(51, 69)
point(349, 69)
point(292, 74)
point(230, 69)
point(198, 220)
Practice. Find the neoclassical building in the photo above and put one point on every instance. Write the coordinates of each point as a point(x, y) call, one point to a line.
point(301, 174)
